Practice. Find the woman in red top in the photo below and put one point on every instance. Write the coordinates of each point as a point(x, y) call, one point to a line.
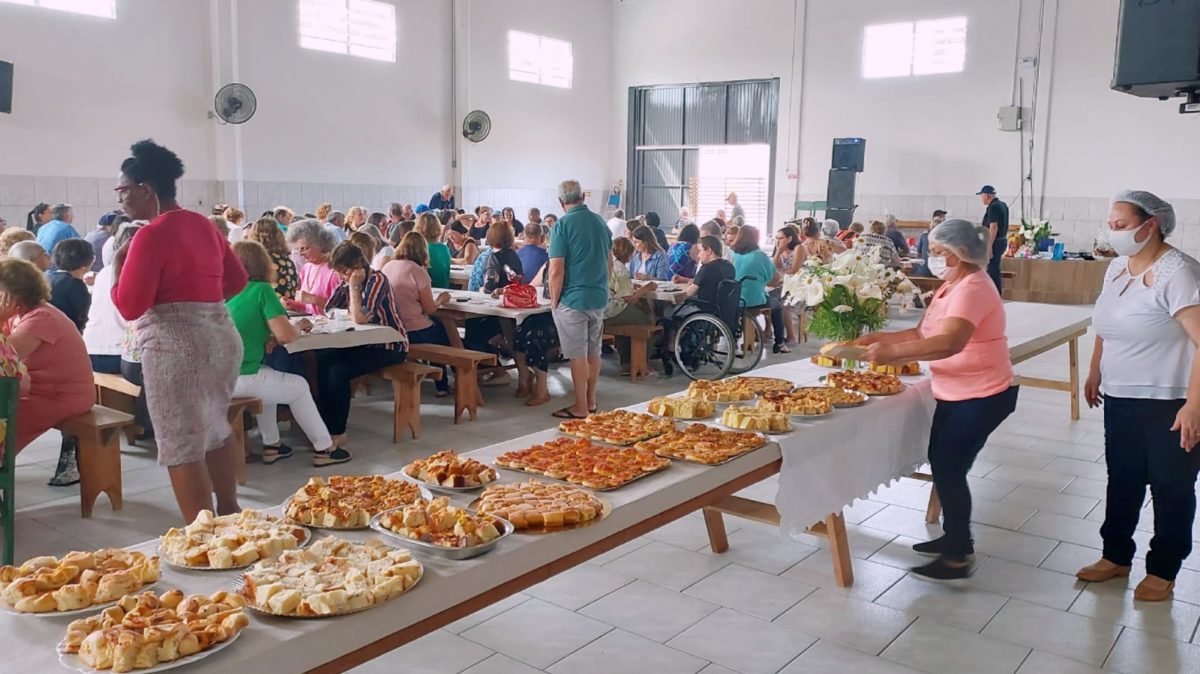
point(173, 279)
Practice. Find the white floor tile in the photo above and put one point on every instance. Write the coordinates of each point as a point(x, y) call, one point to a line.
point(1081, 486)
point(689, 532)
point(904, 522)
point(1068, 558)
point(463, 624)
point(742, 642)
point(989, 489)
point(851, 622)
point(714, 668)
point(1045, 663)
point(1004, 514)
point(621, 551)
point(759, 594)
point(932, 647)
point(1083, 452)
point(770, 552)
point(871, 579)
point(522, 633)
point(860, 510)
point(650, 611)
point(620, 652)
point(1088, 469)
point(960, 606)
point(501, 664)
point(1031, 477)
point(1044, 629)
point(1003, 455)
point(1139, 653)
point(1048, 588)
point(1053, 502)
point(1013, 546)
point(667, 565)
point(580, 586)
point(1063, 528)
point(438, 652)
point(827, 657)
point(1113, 602)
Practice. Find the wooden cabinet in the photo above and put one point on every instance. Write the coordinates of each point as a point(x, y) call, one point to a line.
point(1053, 281)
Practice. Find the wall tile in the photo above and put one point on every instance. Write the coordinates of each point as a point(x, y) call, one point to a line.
point(1098, 208)
point(912, 207)
point(1187, 211)
point(311, 194)
point(371, 196)
point(975, 208)
point(353, 196)
point(83, 191)
point(14, 216)
point(51, 189)
point(213, 193)
point(292, 196)
point(956, 205)
point(929, 204)
point(18, 191)
point(270, 193)
point(1052, 208)
point(249, 193)
point(1076, 208)
point(333, 193)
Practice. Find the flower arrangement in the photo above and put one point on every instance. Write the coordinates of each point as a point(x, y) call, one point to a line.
point(846, 296)
point(1035, 232)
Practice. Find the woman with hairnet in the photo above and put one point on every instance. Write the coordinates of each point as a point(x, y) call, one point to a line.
point(1145, 373)
point(963, 337)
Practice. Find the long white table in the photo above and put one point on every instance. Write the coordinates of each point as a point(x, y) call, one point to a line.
point(334, 337)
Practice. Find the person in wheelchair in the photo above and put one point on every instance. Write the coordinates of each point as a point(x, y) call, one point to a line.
point(701, 294)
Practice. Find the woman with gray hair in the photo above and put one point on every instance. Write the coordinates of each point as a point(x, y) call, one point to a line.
point(313, 243)
point(963, 337)
point(1145, 374)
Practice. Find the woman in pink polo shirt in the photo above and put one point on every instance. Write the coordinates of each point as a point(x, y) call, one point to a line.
point(963, 337)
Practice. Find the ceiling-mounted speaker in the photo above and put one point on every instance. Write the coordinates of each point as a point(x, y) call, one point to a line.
point(849, 154)
point(1158, 48)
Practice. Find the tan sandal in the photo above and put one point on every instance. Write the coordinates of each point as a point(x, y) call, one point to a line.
point(1153, 588)
point(1102, 570)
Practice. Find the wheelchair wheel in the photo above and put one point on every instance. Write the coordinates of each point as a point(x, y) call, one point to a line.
point(703, 347)
point(750, 350)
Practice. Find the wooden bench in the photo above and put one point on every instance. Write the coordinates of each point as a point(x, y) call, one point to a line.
point(238, 407)
point(98, 436)
point(639, 338)
point(118, 393)
point(406, 381)
point(466, 372)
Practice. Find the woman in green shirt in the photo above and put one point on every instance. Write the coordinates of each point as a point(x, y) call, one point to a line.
point(757, 272)
point(439, 253)
point(260, 318)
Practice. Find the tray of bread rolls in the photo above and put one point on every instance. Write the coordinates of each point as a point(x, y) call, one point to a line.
point(78, 582)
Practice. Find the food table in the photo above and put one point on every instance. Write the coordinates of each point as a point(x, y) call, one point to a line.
point(459, 275)
point(1053, 281)
point(665, 291)
point(465, 304)
point(330, 334)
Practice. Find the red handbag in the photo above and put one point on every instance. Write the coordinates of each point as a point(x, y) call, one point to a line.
point(519, 295)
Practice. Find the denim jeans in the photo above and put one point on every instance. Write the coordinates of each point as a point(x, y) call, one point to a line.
point(1141, 449)
point(105, 364)
point(434, 334)
point(960, 429)
point(336, 368)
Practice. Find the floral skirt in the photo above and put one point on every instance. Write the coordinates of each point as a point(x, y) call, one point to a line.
point(535, 337)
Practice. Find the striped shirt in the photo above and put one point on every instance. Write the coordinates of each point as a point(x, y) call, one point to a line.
point(379, 304)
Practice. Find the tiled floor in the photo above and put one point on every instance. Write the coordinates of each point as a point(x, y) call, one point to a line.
point(665, 603)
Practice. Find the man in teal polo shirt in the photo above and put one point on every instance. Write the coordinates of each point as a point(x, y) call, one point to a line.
point(580, 264)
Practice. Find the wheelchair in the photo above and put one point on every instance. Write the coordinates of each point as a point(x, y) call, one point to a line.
point(715, 340)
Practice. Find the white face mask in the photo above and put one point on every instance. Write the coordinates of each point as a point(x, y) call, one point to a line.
point(1124, 241)
point(937, 266)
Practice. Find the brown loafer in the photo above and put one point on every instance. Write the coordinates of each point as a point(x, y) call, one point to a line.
point(1153, 588)
point(1102, 570)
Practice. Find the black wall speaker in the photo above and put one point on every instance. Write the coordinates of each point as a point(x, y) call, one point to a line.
point(6, 87)
point(841, 189)
point(1158, 48)
point(849, 153)
point(844, 216)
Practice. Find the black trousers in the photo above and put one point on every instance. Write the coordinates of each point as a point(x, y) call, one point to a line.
point(336, 368)
point(960, 430)
point(132, 372)
point(1141, 449)
point(777, 324)
point(434, 334)
point(993, 269)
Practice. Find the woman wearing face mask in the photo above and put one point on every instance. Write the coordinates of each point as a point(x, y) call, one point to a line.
point(1144, 372)
point(963, 337)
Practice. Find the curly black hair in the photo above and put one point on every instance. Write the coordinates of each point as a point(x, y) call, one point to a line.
point(155, 166)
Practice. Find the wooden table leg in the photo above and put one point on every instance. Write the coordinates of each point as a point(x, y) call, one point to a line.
point(839, 545)
point(715, 523)
point(1073, 349)
point(934, 510)
point(238, 436)
point(451, 327)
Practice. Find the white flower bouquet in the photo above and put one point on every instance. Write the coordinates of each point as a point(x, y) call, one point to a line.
point(848, 295)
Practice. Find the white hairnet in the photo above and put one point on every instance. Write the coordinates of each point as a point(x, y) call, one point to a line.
point(830, 227)
point(965, 239)
point(1156, 207)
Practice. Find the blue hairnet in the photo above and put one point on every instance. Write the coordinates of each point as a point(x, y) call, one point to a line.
point(965, 239)
point(1156, 207)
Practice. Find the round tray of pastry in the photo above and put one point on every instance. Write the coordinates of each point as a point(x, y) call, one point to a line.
point(745, 418)
point(682, 407)
point(347, 502)
point(78, 582)
point(839, 397)
point(229, 542)
point(443, 530)
point(536, 507)
point(153, 633)
point(332, 577)
point(912, 369)
point(865, 381)
point(796, 404)
point(449, 472)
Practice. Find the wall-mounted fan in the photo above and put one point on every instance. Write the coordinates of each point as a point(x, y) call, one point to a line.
point(476, 126)
point(235, 103)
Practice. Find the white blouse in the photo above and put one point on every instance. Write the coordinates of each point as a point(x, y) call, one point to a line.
point(1147, 353)
point(105, 330)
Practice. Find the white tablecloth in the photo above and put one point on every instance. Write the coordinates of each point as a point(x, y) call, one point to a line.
point(483, 304)
point(361, 335)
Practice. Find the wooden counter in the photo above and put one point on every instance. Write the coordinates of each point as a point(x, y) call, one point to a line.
point(1053, 281)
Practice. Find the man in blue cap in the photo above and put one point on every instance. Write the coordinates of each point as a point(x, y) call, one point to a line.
point(995, 220)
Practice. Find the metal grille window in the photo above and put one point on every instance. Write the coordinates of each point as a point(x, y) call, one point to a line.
point(364, 28)
point(106, 9)
point(540, 60)
point(915, 48)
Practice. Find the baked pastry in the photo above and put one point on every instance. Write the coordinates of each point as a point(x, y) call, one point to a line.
point(448, 469)
point(804, 401)
point(838, 397)
point(755, 419)
point(826, 361)
point(905, 369)
point(330, 577)
point(682, 407)
point(146, 630)
point(535, 505)
point(737, 388)
point(699, 443)
point(583, 462)
point(230, 541)
point(438, 523)
point(619, 427)
point(76, 581)
point(348, 501)
point(871, 383)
